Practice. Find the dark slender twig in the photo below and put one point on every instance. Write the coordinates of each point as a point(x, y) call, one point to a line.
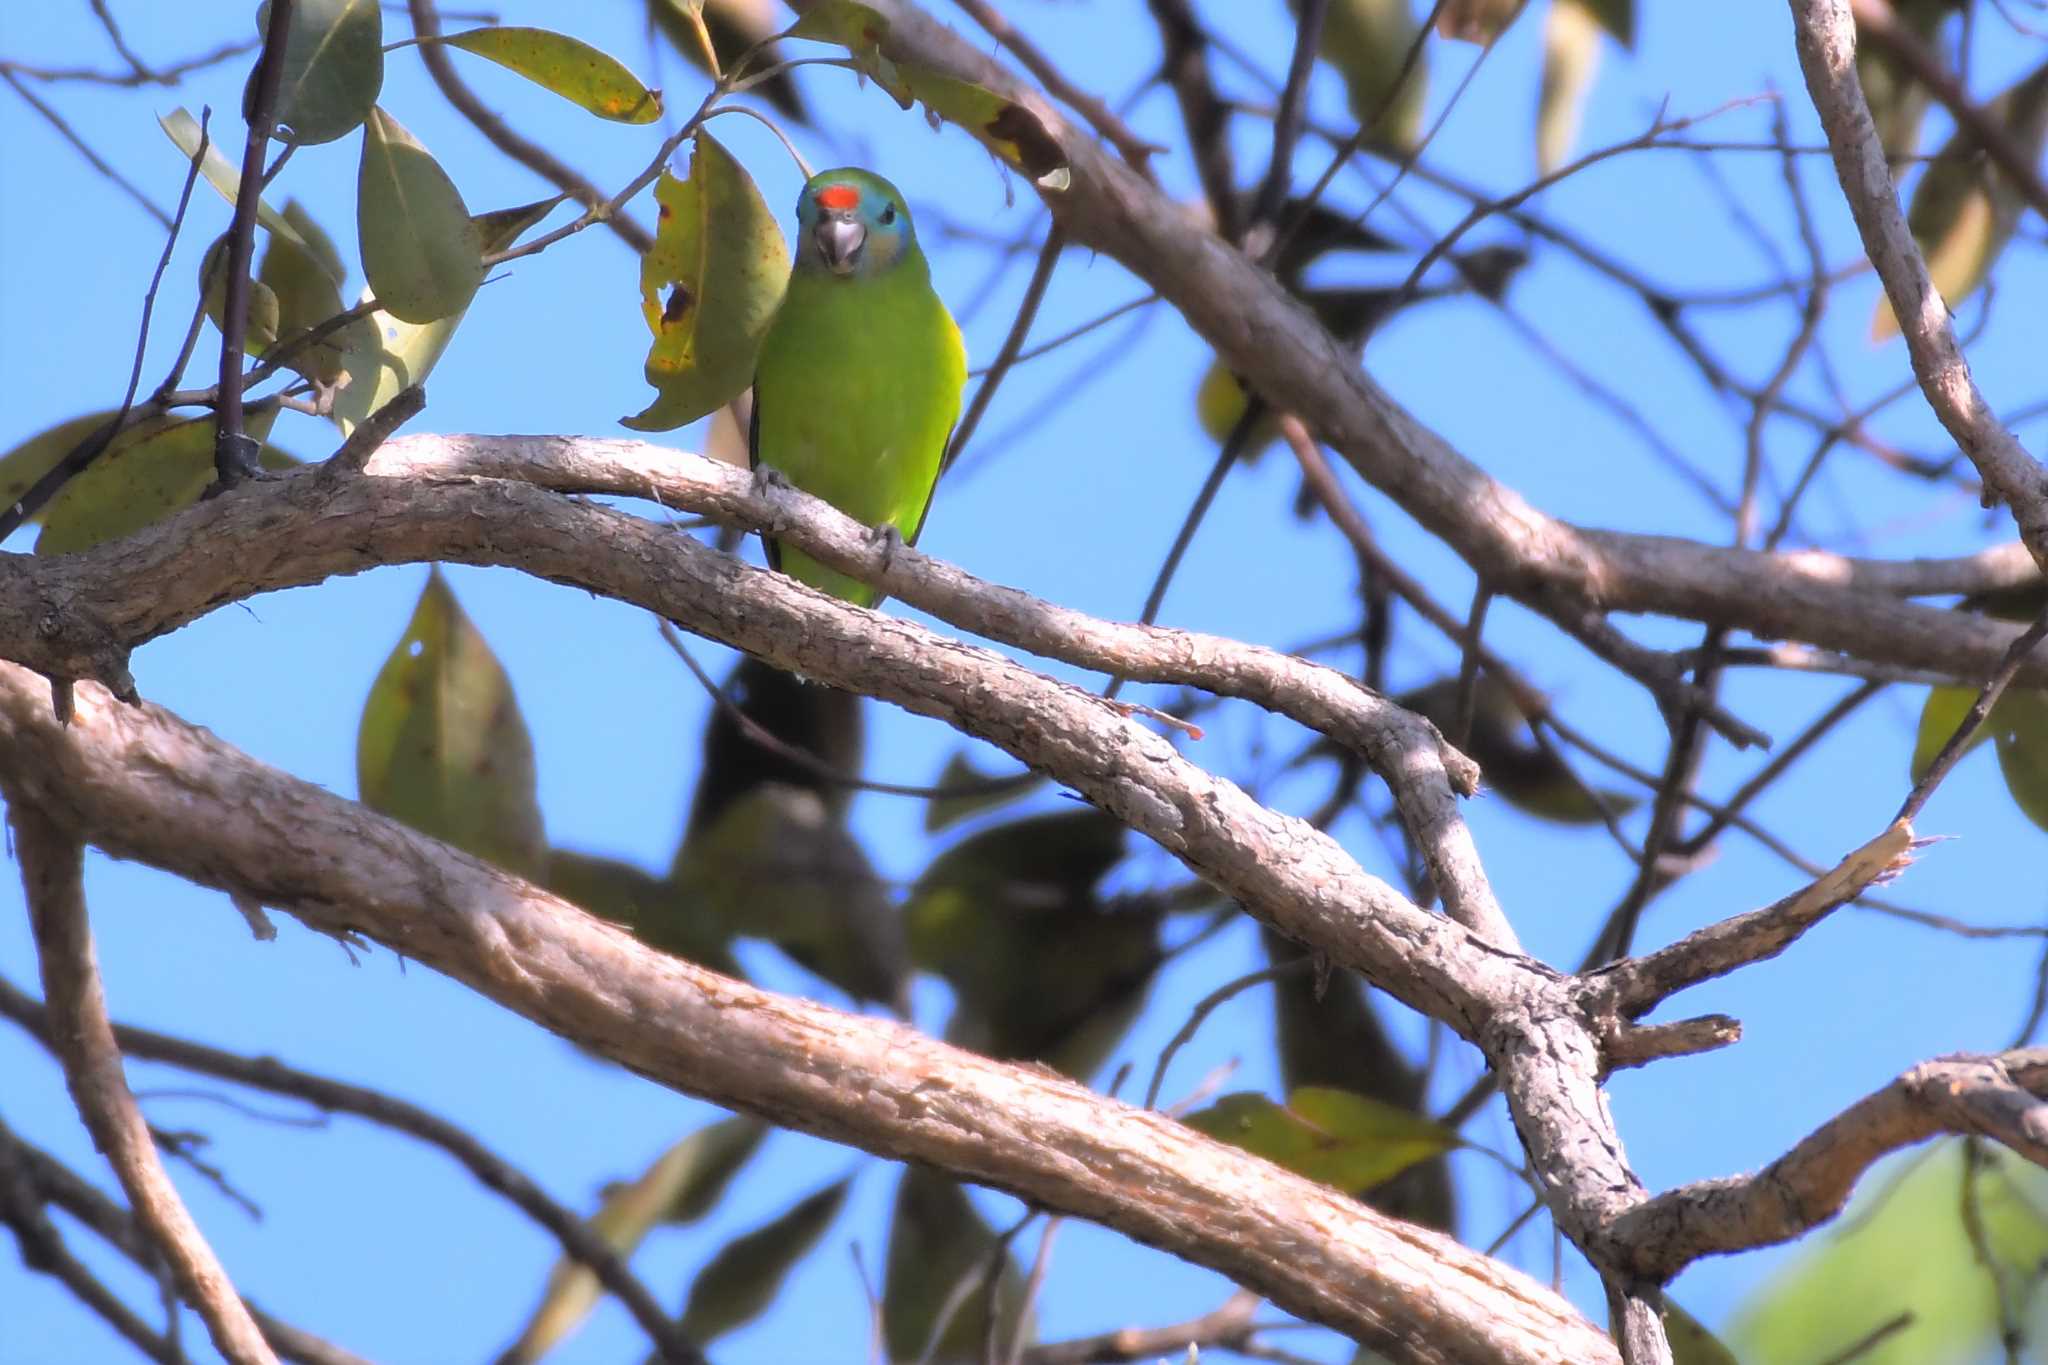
point(1974, 719)
point(234, 450)
point(1206, 1006)
point(1287, 121)
point(1013, 343)
point(1185, 65)
point(1128, 144)
point(83, 148)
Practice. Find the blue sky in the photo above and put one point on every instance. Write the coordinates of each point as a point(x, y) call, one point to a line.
point(391, 1250)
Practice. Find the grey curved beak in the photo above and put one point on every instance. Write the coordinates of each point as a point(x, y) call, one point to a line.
point(839, 242)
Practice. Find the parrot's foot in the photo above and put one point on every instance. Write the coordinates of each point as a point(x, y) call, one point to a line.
point(767, 478)
point(890, 539)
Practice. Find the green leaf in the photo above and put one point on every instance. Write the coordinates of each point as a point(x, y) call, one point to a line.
point(1906, 1247)
point(304, 293)
point(570, 67)
point(147, 473)
point(442, 745)
point(261, 326)
point(709, 287)
point(183, 130)
point(317, 242)
point(1571, 54)
point(384, 355)
point(742, 1279)
point(1476, 21)
point(937, 1241)
point(683, 1183)
point(22, 466)
point(2022, 717)
point(659, 914)
point(1618, 17)
point(422, 253)
point(1940, 714)
point(333, 68)
point(1344, 1140)
point(1040, 967)
point(979, 791)
point(861, 30)
point(778, 865)
point(1691, 1342)
point(735, 27)
point(1367, 41)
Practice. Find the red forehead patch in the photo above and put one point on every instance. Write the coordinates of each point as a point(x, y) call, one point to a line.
point(839, 197)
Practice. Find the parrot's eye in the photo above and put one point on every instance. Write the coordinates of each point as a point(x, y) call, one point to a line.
point(888, 214)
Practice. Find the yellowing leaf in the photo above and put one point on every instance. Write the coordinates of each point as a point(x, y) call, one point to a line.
point(709, 287)
point(742, 1279)
point(1940, 714)
point(1367, 41)
point(568, 66)
point(442, 745)
point(422, 253)
point(1571, 54)
point(683, 1183)
point(150, 471)
point(333, 68)
point(184, 131)
point(861, 30)
point(1007, 128)
point(1333, 1136)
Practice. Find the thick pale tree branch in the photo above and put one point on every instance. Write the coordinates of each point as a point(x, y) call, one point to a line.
point(52, 874)
point(141, 784)
point(1826, 32)
point(1996, 1096)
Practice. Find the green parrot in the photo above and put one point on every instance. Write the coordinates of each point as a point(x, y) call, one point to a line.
point(858, 384)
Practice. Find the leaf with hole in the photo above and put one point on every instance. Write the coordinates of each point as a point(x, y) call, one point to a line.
point(422, 252)
point(709, 287)
point(333, 68)
point(570, 67)
point(442, 745)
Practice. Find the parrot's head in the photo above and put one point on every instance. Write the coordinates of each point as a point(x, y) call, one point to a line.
point(852, 224)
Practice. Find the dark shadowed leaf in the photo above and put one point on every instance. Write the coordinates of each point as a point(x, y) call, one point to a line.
point(152, 470)
point(333, 68)
point(1040, 967)
point(743, 1278)
point(261, 325)
point(183, 130)
point(938, 1246)
point(1618, 17)
point(570, 67)
point(735, 26)
point(979, 791)
point(680, 1186)
point(1344, 1140)
point(806, 725)
point(659, 914)
point(442, 745)
point(1476, 21)
point(1905, 1247)
point(1015, 134)
point(1898, 103)
point(422, 253)
point(2022, 716)
point(709, 287)
point(1527, 776)
point(306, 294)
point(317, 241)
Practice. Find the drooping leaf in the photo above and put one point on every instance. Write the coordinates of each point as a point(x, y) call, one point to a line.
point(1897, 101)
point(569, 67)
point(688, 1176)
point(333, 68)
point(1367, 41)
point(709, 287)
point(1618, 17)
point(937, 1241)
point(384, 355)
point(1528, 777)
point(1571, 54)
point(22, 466)
point(1333, 1136)
point(305, 294)
point(422, 252)
point(261, 324)
point(184, 131)
point(442, 745)
point(743, 1278)
point(2022, 716)
point(1691, 1342)
point(1477, 21)
point(1964, 210)
point(978, 791)
point(657, 912)
point(317, 241)
point(144, 475)
point(1940, 715)
point(1905, 1247)
point(735, 27)
point(1041, 967)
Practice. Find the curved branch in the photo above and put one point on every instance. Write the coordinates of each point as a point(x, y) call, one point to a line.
point(144, 785)
point(1996, 1095)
